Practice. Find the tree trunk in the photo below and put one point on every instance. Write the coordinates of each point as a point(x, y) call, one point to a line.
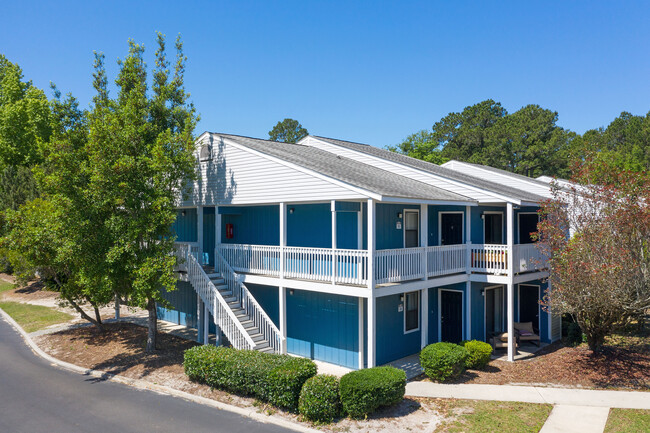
point(98, 316)
point(97, 323)
point(152, 325)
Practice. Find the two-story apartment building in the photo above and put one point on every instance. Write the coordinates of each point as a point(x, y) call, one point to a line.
point(354, 255)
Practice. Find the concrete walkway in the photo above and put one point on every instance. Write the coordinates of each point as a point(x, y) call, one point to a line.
point(575, 410)
point(569, 419)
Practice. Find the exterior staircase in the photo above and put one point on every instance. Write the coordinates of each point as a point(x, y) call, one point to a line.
point(246, 321)
point(235, 311)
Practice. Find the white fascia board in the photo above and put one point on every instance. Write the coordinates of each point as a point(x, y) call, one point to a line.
point(435, 176)
point(394, 289)
point(364, 192)
point(522, 278)
point(310, 286)
point(489, 278)
point(529, 203)
point(403, 200)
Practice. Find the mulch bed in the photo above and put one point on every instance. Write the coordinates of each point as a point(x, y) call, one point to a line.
point(624, 363)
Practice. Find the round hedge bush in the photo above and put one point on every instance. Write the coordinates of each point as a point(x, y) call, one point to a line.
point(442, 361)
point(479, 354)
point(319, 399)
point(364, 391)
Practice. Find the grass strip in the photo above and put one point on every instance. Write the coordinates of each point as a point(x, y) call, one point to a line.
point(34, 317)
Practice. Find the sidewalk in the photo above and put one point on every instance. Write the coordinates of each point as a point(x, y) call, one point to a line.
point(533, 394)
point(575, 410)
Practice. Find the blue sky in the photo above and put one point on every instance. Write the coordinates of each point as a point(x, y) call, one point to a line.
point(364, 71)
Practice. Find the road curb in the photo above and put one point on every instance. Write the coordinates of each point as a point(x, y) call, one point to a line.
point(144, 385)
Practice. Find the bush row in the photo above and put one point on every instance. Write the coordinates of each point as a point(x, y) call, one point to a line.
point(291, 383)
point(443, 361)
point(273, 378)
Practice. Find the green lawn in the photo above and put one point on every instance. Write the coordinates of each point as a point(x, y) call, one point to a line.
point(628, 421)
point(473, 416)
point(5, 286)
point(34, 317)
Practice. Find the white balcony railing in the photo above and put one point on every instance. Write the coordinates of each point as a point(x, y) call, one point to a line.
point(528, 258)
point(492, 259)
point(394, 265)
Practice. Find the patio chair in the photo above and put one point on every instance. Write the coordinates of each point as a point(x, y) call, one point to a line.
point(499, 340)
point(526, 333)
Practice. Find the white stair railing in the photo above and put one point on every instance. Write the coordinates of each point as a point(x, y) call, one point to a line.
point(221, 311)
point(253, 309)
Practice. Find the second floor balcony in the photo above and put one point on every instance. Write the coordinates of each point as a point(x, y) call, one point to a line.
point(352, 266)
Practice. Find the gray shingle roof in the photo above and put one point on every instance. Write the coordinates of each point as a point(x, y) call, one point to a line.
point(352, 172)
point(436, 169)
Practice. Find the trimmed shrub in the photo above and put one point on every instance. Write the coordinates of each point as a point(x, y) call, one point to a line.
point(319, 399)
point(273, 378)
point(364, 391)
point(442, 361)
point(574, 334)
point(479, 354)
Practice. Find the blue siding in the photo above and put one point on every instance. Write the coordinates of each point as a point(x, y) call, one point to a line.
point(269, 299)
point(392, 342)
point(184, 303)
point(388, 235)
point(346, 230)
point(310, 225)
point(323, 327)
point(259, 225)
point(478, 312)
point(185, 226)
point(347, 206)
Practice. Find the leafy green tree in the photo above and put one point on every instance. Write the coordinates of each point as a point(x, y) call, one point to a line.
point(24, 117)
point(420, 145)
point(140, 156)
point(288, 131)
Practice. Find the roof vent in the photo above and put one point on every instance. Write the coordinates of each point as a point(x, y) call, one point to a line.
point(206, 152)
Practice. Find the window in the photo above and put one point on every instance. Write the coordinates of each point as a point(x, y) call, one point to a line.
point(412, 311)
point(411, 229)
point(493, 227)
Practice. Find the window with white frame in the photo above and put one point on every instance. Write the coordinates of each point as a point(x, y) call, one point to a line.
point(411, 311)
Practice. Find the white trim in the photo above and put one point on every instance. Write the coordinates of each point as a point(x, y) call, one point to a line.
point(361, 328)
point(462, 321)
point(468, 289)
point(539, 307)
point(417, 293)
point(404, 211)
point(403, 200)
point(539, 275)
point(424, 314)
point(485, 289)
point(462, 225)
point(503, 228)
point(393, 289)
point(519, 224)
point(309, 286)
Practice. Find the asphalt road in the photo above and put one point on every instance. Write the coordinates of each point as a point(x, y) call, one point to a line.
point(36, 397)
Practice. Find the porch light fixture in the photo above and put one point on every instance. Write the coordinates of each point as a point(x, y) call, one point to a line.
point(482, 216)
point(401, 298)
point(291, 210)
point(183, 213)
point(399, 215)
point(291, 292)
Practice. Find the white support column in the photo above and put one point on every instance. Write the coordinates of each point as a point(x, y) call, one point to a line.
point(361, 336)
point(200, 319)
point(334, 264)
point(424, 308)
point(424, 238)
point(550, 313)
point(371, 283)
point(468, 238)
point(282, 292)
point(468, 310)
point(199, 232)
point(511, 282)
point(206, 324)
point(283, 236)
